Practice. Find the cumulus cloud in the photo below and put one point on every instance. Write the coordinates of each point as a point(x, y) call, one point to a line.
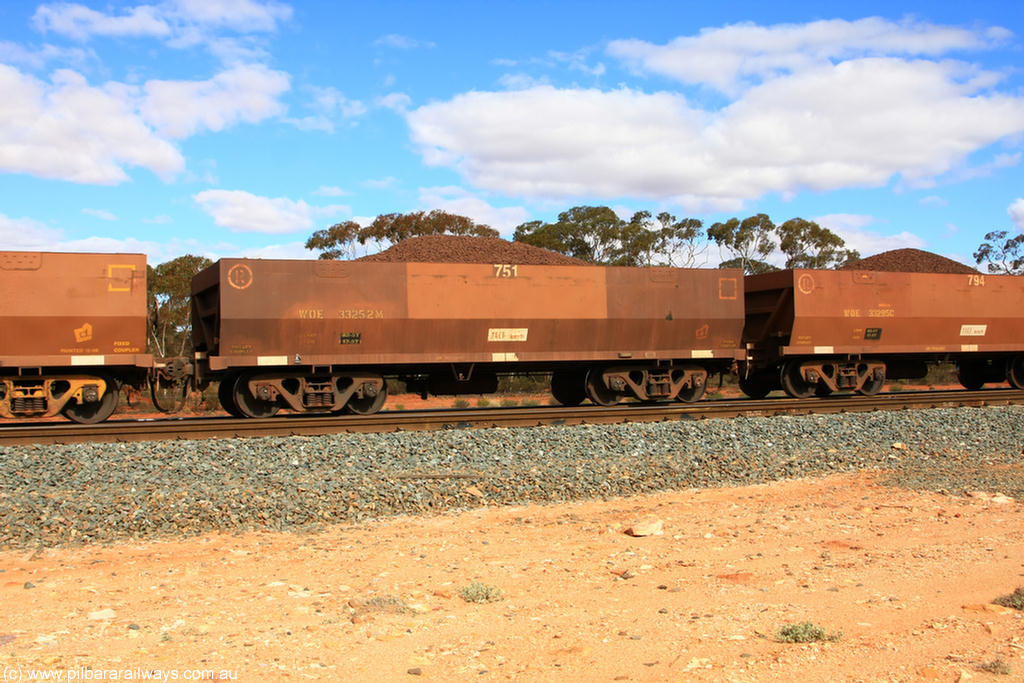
point(1016, 211)
point(75, 131)
point(459, 201)
point(731, 57)
point(329, 106)
point(70, 130)
point(246, 93)
point(246, 212)
point(174, 18)
point(823, 126)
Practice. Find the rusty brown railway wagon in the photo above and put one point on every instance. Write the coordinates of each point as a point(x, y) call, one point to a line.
point(324, 335)
point(72, 328)
point(816, 331)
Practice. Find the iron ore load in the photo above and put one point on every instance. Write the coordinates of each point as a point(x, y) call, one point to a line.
point(323, 336)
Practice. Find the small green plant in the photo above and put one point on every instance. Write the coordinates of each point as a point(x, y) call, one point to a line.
point(508, 402)
point(1014, 599)
point(805, 632)
point(399, 406)
point(461, 403)
point(480, 592)
point(530, 402)
point(996, 666)
point(483, 402)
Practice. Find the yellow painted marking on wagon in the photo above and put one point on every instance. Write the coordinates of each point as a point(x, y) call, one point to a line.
point(973, 330)
point(824, 349)
point(88, 360)
point(507, 334)
point(121, 277)
point(702, 353)
point(504, 357)
point(271, 360)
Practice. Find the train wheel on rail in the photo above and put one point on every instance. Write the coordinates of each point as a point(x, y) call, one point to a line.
point(793, 382)
point(249, 405)
point(1015, 372)
point(568, 388)
point(226, 394)
point(971, 375)
point(91, 412)
point(368, 405)
point(757, 384)
point(692, 393)
point(874, 384)
point(598, 392)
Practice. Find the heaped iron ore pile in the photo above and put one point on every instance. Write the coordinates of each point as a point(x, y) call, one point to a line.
point(464, 249)
point(88, 493)
point(910, 261)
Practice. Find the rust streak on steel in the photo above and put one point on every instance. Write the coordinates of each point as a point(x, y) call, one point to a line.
point(223, 427)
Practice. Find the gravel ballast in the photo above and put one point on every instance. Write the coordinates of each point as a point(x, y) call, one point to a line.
point(55, 495)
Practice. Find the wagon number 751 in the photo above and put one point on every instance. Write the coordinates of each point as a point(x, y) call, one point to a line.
point(505, 270)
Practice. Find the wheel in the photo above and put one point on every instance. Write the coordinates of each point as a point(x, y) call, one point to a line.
point(1015, 372)
point(598, 392)
point(226, 395)
point(821, 390)
point(793, 382)
point(368, 405)
point(568, 388)
point(971, 375)
point(168, 395)
point(757, 384)
point(94, 411)
point(692, 393)
point(247, 404)
point(873, 385)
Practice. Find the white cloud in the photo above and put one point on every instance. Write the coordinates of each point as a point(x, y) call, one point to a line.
point(178, 19)
point(396, 101)
point(289, 250)
point(243, 93)
point(246, 212)
point(70, 130)
point(380, 183)
point(732, 57)
point(102, 214)
point(331, 191)
point(162, 219)
point(933, 200)
point(401, 42)
point(330, 106)
point(79, 22)
point(457, 200)
point(851, 228)
point(858, 123)
point(13, 53)
point(1016, 211)
point(28, 234)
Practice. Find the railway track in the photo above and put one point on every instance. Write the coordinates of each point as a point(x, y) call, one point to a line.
point(226, 427)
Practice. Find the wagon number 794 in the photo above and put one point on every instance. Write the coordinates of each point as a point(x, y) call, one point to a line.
point(975, 280)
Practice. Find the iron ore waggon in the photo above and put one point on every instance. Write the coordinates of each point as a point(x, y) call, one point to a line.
point(323, 336)
point(72, 330)
point(818, 331)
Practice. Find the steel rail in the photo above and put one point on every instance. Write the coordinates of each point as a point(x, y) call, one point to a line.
point(417, 420)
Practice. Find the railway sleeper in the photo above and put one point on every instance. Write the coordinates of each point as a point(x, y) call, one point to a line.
point(304, 393)
point(49, 396)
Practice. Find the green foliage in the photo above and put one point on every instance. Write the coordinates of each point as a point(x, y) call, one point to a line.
point(483, 402)
point(749, 267)
point(1014, 599)
point(596, 234)
point(805, 632)
point(480, 592)
point(1003, 255)
point(338, 241)
point(749, 240)
point(460, 403)
point(808, 245)
point(168, 294)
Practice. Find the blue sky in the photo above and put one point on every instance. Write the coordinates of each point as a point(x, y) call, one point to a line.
point(239, 127)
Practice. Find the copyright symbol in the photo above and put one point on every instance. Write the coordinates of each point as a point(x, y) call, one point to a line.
point(12, 674)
